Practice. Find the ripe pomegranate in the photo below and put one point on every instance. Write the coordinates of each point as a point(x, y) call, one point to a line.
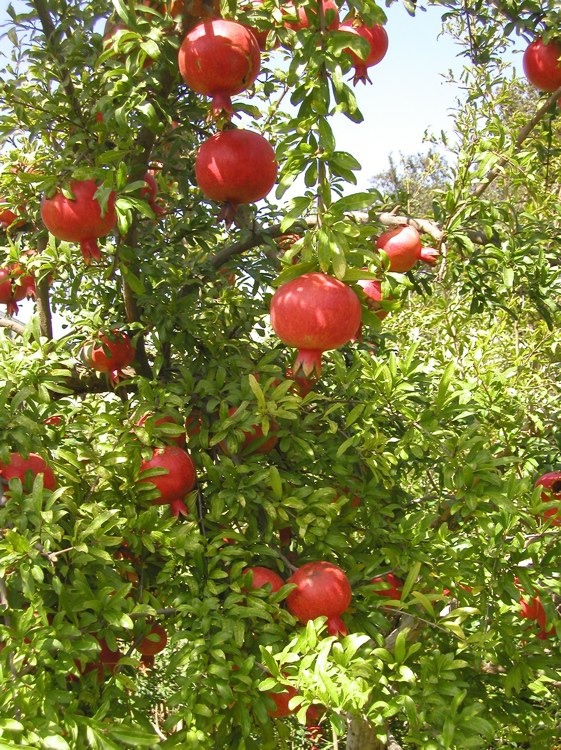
point(179, 478)
point(392, 586)
point(309, 16)
point(263, 576)
point(302, 385)
point(150, 193)
point(532, 609)
point(151, 419)
point(260, 35)
point(81, 219)
point(551, 482)
point(254, 440)
point(372, 288)
point(8, 218)
point(314, 312)
point(376, 37)
point(18, 466)
point(154, 642)
point(14, 286)
point(109, 353)
point(542, 66)
point(219, 58)
point(281, 703)
point(234, 167)
point(107, 660)
point(194, 423)
point(403, 247)
point(323, 589)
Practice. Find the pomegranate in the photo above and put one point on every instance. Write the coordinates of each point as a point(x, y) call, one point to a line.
point(8, 218)
point(533, 609)
point(302, 385)
point(254, 440)
point(107, 660)
point(281, 701)
point(542, 65)
point(109, 353)
point(80, 219)
point(18, 466)
point(14, 286)
point(154, 642)
point(309, 16)
point(234, 167)
point(179, 477)
point(392, 585)
point(551, 482)
point(150, 193)
point(372, 288)
point(219, 58)
point(157, 421)
point(194, 423)
point(314, 312)
point(264, 577)
point(403, 247)
point(260, 35)
point(323, 589)
point(376, 37)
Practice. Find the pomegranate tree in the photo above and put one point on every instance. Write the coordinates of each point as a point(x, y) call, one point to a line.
point(17, 467)
point(177, 478)
point(403, 247)
point(219, 58)
point(264, 577)
point(322, 589)
point(314, 312)
point(110, 353)
point(81, 218)
point(542, 65)
point(234, 167)
point(377, 39)
point(551, 483)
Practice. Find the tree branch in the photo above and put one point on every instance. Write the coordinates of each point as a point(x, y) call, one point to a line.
point(521, 137)
point(12, 325)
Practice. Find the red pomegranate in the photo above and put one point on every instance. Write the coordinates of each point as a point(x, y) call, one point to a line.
point(8, 217)
point(372, 288)
point(314, 312)
point(18, 466)
point(281, 701)
point(80, 219)
point(542, 65)
point(234, 167)
point(302, 385)
point(260, 35)
point(323, 589)
point(219, 58)
point(264, 576)
point(254, 440)
point(533, 609)
point(309, 16)
point(376, 37)
point(403, 247)
point(107, 660)
point(14, 286)
point(157, 421)
point(110, 353)
point(150, 193)
point(392, 586)
point(179, 477)
point(154, 642)
point(194, 423)
point(551, 482)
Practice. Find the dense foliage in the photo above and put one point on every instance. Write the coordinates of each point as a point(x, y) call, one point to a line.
point(130, 620)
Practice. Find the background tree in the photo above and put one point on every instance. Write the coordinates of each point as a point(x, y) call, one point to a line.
point(129, 616)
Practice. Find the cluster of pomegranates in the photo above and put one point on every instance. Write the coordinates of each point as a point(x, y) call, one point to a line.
point(316, 312)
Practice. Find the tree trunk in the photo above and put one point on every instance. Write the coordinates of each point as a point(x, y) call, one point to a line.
point(361, 735)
